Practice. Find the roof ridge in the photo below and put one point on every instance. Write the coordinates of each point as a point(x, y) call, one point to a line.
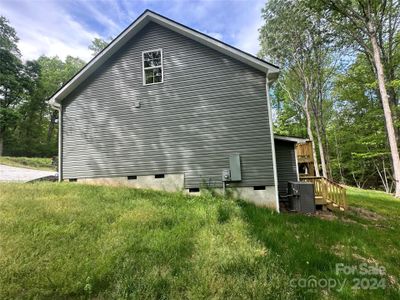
point(136, 26)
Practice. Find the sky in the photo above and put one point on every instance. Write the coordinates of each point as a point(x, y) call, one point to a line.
point(67, 27)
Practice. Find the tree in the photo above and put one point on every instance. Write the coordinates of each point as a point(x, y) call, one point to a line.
point(11, 79)
point(8, 37)
point(360, 23)
point(55, 73)
point(27, 123)
point(300, 42)
point(34, 132)
point(98, 45)
point(289, 119)
point(360, 153)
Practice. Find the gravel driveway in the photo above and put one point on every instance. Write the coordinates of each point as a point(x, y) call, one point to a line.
point(8, 173)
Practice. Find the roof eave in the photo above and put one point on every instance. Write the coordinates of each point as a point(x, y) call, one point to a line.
point(135, 27)
point(290, 139)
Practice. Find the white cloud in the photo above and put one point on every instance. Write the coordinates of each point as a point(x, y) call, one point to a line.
point(91, 9)
point(45, 28)
point(67, 28)
point(246, 38)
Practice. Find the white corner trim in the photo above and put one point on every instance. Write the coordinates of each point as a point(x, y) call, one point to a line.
point(135, 27)
point(60, 133)
point(297, 162)
point(272, 143)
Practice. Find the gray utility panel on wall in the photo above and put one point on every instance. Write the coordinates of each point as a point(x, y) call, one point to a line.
point(234, 165)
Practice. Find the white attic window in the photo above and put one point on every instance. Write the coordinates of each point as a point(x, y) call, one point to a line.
point(152, 66)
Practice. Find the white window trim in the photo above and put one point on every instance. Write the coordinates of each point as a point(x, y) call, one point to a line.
point(149, 68)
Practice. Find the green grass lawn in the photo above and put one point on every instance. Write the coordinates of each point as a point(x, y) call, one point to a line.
point(75, 241)
point(28, 162)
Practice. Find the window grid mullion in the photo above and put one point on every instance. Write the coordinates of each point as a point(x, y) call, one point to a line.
point(152, 76)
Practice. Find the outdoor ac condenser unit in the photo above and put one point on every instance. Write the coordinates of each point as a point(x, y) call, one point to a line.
point(301, 196)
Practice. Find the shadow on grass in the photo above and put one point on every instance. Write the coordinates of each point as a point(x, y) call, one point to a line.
point(309, 247)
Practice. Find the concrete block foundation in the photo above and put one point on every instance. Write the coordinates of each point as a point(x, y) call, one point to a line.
point(176, 182)
point(170, 182)
point(263, 198)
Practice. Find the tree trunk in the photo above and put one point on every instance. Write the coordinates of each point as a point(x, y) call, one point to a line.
point(325, 144)
point(386, 109)
point(51, 126)
point(321, 150)
point(317, 110)
point(311, 137)
point(1, 144)
point(338, 159)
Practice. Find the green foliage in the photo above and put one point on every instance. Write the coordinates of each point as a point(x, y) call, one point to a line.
point(98, 45)
point(8, 37)
point(13, 81)
point(28, 162)
point(289, 119)
point(360, 24)
point(312, 41)
point(357, 134)
point(35, 134)
point(75, 241)
point(27, 123)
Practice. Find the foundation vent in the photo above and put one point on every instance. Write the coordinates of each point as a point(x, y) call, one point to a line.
point(259, 188)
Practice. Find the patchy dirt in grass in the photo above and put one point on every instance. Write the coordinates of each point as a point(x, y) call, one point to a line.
point(351, 221)
point(325, 215)
point(355, 211)
point(358, 212)
point(340, 250)
point(366, 214)
point(368, 260)
point(393, 280)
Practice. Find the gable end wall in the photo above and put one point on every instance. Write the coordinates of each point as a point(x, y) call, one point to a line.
point(208, 107)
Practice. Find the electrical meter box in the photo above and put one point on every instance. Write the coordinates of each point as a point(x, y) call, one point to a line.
point(226, 175)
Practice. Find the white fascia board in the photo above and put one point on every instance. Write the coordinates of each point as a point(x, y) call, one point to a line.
point(135, 27)
point(216, 45)
point(96, 62)
point(290, 139)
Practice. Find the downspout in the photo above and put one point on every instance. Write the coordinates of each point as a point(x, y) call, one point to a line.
point(272, 143)
point(58, 107)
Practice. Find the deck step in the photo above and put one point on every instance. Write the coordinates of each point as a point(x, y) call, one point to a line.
point(327, 192)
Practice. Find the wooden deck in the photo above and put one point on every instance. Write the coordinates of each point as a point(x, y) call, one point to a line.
point(329, 194)
point(304, 152)
point(305, 159)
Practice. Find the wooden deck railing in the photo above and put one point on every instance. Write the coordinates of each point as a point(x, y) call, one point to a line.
point(329, 190)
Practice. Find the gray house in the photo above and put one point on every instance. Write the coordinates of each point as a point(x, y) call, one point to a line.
point(167, 107)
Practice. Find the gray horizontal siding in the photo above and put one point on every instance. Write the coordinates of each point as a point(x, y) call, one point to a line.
point(286, 164)
point(208, 107)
